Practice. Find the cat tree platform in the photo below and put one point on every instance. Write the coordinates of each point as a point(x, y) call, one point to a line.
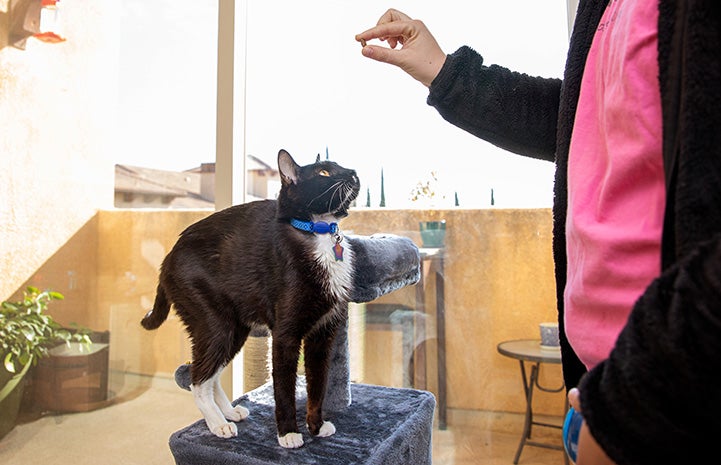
point(382, 426)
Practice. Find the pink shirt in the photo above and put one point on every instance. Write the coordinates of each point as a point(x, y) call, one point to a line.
point(616, 180)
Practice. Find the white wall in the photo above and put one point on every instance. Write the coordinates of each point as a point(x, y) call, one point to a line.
point(58, 106)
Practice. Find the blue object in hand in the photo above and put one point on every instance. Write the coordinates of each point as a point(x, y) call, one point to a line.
point(571, 431)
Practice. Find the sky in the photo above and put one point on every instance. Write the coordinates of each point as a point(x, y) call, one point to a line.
point(308, 89)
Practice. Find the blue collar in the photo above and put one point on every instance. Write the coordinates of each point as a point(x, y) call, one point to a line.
point(319, 227)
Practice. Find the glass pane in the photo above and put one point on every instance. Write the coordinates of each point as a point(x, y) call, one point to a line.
point(308, 90)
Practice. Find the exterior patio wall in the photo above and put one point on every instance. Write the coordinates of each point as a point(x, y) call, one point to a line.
point(132, 246)
point(499, 286)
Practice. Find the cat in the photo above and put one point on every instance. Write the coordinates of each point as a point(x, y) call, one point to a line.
point(274, 263)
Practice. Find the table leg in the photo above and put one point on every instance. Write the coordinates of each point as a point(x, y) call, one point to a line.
point(418, 367)
point(441, 329)
point(528, 390)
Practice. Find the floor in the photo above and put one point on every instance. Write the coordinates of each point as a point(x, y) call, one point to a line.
point(135, 430)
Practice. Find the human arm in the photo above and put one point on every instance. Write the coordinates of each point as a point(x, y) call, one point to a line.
point(511, 110)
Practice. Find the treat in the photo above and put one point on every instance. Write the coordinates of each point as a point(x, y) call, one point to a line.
point(363, 42)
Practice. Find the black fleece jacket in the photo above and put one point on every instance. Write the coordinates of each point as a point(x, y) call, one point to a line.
point(657, 398)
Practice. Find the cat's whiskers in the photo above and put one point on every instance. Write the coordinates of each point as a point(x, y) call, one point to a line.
point(342, 187)
point(332, 186)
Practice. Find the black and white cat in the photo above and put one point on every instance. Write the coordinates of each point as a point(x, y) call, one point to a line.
point(277, 263)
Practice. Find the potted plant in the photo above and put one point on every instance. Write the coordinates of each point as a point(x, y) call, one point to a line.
point(433, 232)
point(27, 332)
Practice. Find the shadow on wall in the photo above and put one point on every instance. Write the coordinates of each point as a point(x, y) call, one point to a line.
point(104, 291)
point(72, 270)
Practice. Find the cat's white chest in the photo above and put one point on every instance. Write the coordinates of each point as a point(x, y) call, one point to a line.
point(337, 262)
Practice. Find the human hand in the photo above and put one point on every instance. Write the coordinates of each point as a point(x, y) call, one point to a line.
point(589, 452)
point(419, 55)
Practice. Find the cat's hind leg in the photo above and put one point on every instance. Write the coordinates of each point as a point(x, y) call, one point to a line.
point(237, 413)
point(210, 356)
point(204, 396)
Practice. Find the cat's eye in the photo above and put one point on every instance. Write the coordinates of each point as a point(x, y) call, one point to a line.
point(323, 173)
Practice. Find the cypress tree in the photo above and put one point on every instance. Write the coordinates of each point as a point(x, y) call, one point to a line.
point(383, 190)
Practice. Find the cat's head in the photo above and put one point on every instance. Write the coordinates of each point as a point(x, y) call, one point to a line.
point(320, 189)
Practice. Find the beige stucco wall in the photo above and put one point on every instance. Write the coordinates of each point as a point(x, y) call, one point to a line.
point(57, 120)
point(132, 246)
point(498, 277)
point(499, 286)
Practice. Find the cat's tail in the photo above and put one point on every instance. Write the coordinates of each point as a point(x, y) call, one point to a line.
point(155, 317)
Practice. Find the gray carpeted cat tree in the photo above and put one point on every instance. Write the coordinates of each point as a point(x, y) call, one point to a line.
point(375, 425)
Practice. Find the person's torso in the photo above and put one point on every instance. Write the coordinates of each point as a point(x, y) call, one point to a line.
point(616, 188)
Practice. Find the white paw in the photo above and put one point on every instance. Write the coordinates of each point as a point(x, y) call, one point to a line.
point(291, 440)
point(326, 429)
point(227, 430)
point(238, 413)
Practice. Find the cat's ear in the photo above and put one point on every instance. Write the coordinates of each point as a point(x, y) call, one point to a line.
point(317, 159)
point(287, 167)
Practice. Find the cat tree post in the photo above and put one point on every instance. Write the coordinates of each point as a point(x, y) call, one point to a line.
point(338, 392)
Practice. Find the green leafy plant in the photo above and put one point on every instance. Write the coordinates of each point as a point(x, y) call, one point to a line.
point(27, 332)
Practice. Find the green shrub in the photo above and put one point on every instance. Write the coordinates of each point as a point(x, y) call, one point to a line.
point(27, 332)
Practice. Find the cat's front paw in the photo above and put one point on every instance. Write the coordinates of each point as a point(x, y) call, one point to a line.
point(291, 440)
point(237, 413)
point(326, 429)
point(226, 430)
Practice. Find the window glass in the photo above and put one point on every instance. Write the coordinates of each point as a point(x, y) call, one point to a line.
point(308, 90)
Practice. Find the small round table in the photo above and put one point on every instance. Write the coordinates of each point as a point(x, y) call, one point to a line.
point(529, 350)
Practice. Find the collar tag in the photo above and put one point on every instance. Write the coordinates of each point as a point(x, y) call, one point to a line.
point(338, 252)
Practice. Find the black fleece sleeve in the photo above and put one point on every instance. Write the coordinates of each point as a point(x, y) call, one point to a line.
point(511, 110)
point(657, 398)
